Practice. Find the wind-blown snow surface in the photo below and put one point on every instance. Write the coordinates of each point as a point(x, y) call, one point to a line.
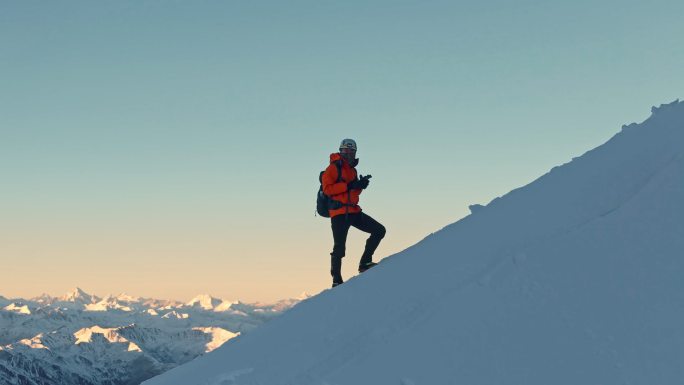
point(576, 278)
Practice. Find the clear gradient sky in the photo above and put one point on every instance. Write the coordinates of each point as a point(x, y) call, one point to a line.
point(170, 148)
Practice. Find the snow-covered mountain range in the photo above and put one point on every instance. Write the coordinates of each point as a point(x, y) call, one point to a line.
point(84, 339)
point(573, 279)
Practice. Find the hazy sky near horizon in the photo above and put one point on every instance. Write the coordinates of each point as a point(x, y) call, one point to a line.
point(170, 148)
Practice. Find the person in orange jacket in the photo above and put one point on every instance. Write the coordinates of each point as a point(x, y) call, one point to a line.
point(344, 190)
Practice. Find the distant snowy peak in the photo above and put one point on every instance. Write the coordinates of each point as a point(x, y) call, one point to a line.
point(205, 301)
point(44, 299)
point(122, 302)
point(78, 296)
point(226, 306)
point(111, 335)
point(218, 336)
point(18, 308)
point(161, 304)
point(123, 297)
point(107, 303)
point(281, 304)
point(34, 343)
point(175, 315)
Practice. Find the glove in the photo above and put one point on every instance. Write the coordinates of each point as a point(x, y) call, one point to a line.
point(359, 184)
point(354, 185)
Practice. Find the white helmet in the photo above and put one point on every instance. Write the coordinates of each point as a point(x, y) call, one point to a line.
point(348, 143)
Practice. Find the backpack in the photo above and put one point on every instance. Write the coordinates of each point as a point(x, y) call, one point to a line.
point(324, 202)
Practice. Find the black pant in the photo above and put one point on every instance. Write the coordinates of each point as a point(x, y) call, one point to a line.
point(340, 228)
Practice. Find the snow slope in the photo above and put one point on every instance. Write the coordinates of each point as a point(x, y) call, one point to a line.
point(575, 278)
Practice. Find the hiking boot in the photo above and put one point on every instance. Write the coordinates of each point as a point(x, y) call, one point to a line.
point(336, 283)
point(366, 266)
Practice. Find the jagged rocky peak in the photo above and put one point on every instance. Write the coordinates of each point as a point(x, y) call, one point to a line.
point(78, 295)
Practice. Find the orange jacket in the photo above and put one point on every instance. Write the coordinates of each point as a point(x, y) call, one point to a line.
point(338, 191)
